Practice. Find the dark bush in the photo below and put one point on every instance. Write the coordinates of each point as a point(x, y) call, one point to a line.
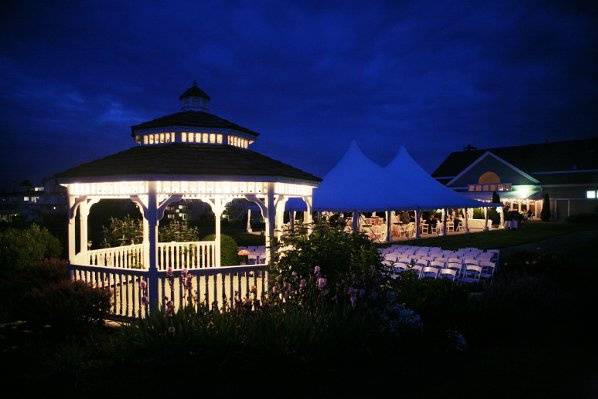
point(21, 247)
point(545, 214)
point(583, 218)
point(514, 215)
point(16, 284)
point(67, 305)
point(441, 303)
point(229, 251)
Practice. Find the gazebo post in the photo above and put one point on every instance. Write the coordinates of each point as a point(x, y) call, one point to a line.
point(151, 245)
point(485, 218)
point(249, 220)
point(417, 234)
point(307, 217)
point(270, 219)
point(72, 214)
point(218, 209)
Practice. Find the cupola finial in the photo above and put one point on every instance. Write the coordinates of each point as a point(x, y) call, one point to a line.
point(194, 99)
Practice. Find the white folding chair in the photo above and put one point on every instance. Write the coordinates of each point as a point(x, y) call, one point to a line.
point(429, 272)
point(448, 274)
point(472, 274)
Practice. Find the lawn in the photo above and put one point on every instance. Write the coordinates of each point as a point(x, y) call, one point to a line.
point(528, 233)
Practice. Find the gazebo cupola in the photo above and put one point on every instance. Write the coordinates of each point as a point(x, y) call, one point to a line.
point(193, 124)
point(194, 99)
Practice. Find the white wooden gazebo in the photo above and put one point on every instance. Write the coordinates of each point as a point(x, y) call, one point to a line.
point(189, 155)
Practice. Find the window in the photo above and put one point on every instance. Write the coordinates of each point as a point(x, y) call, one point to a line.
point(145, 140)
point(592, 194)
point(219, 138)
point(184, 137)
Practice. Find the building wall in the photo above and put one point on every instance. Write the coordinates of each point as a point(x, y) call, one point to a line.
point(504, 172)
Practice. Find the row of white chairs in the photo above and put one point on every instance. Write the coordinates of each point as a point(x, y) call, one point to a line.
point(465, 265)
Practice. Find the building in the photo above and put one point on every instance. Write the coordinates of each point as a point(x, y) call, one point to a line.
point(567, 171)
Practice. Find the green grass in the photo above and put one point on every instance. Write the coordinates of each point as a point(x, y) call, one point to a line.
point(528, 233)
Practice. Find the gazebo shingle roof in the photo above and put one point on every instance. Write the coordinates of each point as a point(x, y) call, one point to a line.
point(186, 160)
point(194, 119)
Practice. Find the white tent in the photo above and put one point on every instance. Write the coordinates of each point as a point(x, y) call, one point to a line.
point(356, 183)
point(407, 174)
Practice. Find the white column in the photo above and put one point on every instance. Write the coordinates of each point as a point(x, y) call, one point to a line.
point(485, 218)
point(444, 212)
point(270, 219)
point(218, 209)
point(307, 218)
point(151, 215)
point(83, 216)
point(72, 242)
point(279, 224)
point(417, 232)
point(501, 214)
point(249, 221)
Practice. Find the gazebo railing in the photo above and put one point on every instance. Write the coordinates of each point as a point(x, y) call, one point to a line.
point(177, 255)
point(186, 255)
point(126, 256)
point(216, 287)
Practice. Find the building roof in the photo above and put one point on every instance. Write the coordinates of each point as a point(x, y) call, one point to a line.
point(571, 155)
point(194, 91)
point(193, 119)
point(185, 160)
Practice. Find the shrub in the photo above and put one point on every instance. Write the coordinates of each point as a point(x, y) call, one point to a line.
point(229, 251)
point(16, 284)
point(67, 305)
point(583, 218)
point(347, 260)
point(22, 247)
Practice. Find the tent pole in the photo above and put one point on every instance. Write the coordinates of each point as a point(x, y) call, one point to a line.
point(388, 226)
point(466, 213)
point(444, 221)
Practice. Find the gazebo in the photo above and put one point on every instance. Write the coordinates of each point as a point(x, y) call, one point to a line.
point(188, 155)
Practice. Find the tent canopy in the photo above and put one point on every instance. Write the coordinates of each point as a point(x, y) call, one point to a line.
point(356, 183)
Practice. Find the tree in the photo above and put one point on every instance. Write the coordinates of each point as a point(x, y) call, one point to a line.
point(545, 214)
point(125, 231)
point(495, 198)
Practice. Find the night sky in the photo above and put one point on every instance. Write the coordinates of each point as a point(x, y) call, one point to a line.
point(432, 76)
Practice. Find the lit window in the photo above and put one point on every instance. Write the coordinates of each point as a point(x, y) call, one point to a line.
point(212, 138)
point(172, 137)
point(145, 140)
point(219, 138)
point(591, 194)
point(151, 139)
point(184, 137)
point(205, 138)
point(198, 137)
point(161, 137)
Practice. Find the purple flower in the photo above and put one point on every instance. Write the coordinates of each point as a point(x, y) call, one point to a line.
point(302, 283)
point(317, 270)
point(321, 283)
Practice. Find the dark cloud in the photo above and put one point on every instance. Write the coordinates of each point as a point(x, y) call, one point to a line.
point(310, 77)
